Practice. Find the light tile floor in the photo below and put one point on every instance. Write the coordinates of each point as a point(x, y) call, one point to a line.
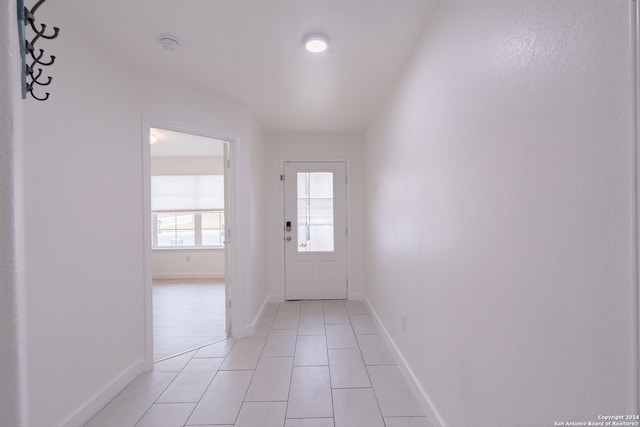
point(186, 314)
point(321, 363)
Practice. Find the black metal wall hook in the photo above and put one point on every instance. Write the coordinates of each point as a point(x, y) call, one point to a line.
point(36, 60)
point(31, 78)
point(43, 28)
point(35, 78)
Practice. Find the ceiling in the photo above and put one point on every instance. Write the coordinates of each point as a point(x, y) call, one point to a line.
point(251, 51)
point(178, 144)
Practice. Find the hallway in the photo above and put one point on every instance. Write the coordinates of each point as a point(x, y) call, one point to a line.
point(308, 364)
point(492, 210)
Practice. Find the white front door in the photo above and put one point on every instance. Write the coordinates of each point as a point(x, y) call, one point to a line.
point(315, 230)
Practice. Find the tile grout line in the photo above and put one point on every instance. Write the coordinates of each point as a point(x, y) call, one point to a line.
point(293, 361)
point(260, 358)
point(194, 349)
point(375, 395)
point(168, 385)
point(244, 397)
point(209, 385)
point(333, 411)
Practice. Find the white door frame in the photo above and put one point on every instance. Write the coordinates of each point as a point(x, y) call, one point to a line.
point(282, 217)
point(230, 312)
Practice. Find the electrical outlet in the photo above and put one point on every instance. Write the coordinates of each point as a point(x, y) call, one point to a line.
point(403, 322)
point(187, 258)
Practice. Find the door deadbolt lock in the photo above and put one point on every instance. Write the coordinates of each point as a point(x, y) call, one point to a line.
point(288, 226)
point(288, 238)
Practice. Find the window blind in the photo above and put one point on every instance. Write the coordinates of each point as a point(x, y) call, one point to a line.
point(187, 192)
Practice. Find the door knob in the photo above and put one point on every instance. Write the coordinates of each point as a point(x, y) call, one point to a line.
point(288, 238)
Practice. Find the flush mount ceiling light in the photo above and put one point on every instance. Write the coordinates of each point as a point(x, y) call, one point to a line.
point(315, 42)
point(169, 42)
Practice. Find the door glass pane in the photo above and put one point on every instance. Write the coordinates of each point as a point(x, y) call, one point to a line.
point(321, 185)
point(322, 238)
point(315, 212)
point(321, 211)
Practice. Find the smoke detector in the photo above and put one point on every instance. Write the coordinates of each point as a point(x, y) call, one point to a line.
point(169, 42)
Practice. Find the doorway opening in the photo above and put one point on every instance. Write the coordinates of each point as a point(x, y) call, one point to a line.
point(188, 206)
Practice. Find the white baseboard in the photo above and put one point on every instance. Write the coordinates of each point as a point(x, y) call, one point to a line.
point(188, 276)
point(428, 407)
point(95, 403)
point(251, 329)
point(275, 298)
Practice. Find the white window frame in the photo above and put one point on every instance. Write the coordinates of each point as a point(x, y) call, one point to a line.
point(197, 220)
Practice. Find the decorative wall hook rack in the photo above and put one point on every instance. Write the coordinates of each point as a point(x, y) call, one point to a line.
point(32, 62)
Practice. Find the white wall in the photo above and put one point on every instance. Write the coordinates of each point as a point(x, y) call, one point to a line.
point(83, 228)
point(255, 261)
point(84, 218)
point(12, 353)
point(501, 170)
point(314, 147)
point(187, 263)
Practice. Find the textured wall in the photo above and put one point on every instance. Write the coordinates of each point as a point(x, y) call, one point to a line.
point(501, 171)
point(11, 342)
point(83, 222)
